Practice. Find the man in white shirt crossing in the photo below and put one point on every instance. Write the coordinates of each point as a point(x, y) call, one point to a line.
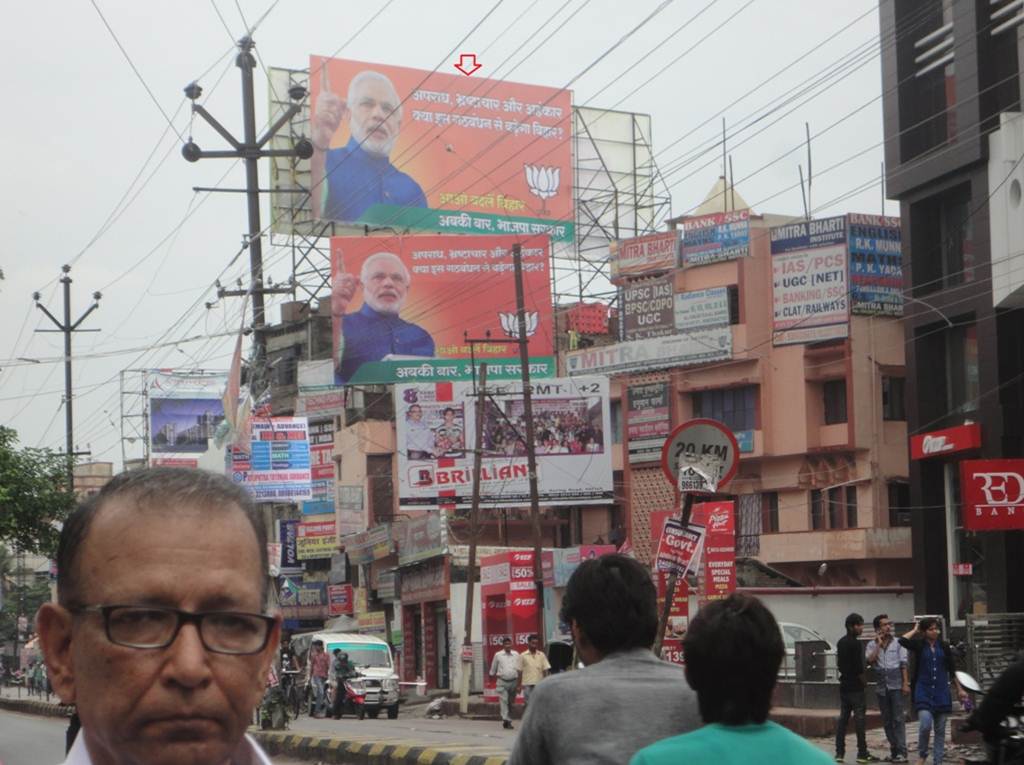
point(507, 667)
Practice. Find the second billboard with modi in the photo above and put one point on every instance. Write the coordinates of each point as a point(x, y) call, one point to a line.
point(403, 308)
point(430, 151)
point(436, 425)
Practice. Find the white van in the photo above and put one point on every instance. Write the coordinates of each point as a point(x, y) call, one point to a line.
point(371, 656)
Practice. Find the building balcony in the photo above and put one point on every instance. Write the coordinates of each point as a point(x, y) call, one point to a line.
point(842, 544)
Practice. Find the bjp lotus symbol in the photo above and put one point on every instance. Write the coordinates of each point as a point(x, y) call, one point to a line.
point(543, 182)
point(510, 323)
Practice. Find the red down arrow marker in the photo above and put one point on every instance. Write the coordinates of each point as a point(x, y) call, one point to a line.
point(467, 64)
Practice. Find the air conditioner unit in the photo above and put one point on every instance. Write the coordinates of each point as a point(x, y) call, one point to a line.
point(1006, 215)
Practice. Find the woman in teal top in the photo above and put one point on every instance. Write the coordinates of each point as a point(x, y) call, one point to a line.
point(733, 650)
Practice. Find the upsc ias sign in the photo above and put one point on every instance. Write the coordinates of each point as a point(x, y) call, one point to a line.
point(993, 494)
point(700, 439)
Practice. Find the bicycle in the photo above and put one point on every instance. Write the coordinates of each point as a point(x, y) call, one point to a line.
point(294, 691)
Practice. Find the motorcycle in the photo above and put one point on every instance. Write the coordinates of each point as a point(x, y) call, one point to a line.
point(1008, 747)
point(353, 700)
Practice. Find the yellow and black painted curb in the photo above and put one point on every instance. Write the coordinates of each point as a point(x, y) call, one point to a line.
point(374, 752)
point(36, 707)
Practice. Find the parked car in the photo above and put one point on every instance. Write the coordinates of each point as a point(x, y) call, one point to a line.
point(798, 633)
point(372, 658)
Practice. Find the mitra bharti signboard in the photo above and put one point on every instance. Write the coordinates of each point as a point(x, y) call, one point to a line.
point(436, 426)
point(644, 255)
point(809, 282)
point(993, 494)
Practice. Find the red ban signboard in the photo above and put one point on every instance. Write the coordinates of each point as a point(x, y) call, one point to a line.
point(993, 494)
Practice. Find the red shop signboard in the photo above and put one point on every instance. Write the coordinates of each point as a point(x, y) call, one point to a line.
point(993, 494)
point(962, 438)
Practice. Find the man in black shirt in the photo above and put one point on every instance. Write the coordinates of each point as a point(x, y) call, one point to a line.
point(850, 661)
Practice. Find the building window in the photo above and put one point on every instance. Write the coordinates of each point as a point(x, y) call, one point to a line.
point(999, 78)
point(942, 232)
point(851, 507)
point(769, 512)
point(835, 507)
point(817, 510)
point(616, 418)
point(734, 407)
point(962, 388)
point(382, 496)
point(835, 402)
point(927, 76)
point(893, 399)
point(734, 303)
point(899, 503)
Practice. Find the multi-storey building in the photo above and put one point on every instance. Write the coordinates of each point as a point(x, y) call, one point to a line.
point(951, 73)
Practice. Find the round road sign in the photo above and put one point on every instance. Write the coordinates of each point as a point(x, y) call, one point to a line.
point(700, 437)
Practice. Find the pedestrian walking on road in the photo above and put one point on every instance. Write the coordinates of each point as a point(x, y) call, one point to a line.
point(535, 666)
point(319, 666)
point(625, 698)
point(889, 659)
point(507, 668)
point(852, 683)
point(733, 650)
point(159, 634)
point(934, 670)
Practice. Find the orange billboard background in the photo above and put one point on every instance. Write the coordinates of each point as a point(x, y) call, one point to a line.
point(459, 285)
point(467, 140)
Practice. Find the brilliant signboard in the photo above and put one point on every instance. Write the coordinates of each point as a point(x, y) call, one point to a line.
point(404, 306)
point(809, 281)
point(431, 151)
point(434, 422)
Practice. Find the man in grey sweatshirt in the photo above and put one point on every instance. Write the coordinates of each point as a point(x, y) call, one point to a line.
point(625, 698)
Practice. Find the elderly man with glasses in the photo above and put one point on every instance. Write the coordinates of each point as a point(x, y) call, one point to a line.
point(160, 636)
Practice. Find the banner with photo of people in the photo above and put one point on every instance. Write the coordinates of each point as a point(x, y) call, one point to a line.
point(437, 151)
point(403, 307)
point(436, 427)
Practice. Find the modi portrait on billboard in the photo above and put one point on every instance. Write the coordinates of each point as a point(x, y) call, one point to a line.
point(411, 149)
point(405, 307)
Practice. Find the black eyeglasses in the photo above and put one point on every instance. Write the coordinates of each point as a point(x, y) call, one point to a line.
point(228, 632)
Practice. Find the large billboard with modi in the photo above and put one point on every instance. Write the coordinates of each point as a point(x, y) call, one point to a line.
point(430, 151)
point(403, 307)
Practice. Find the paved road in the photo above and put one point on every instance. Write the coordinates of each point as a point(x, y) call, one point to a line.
point(31, 740)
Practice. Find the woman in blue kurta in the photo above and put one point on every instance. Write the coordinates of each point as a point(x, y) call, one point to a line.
point(934, 670)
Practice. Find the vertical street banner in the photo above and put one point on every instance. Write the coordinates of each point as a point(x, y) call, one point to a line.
point(435, 423)
point(719, 575)
point(644, 255)
point(412, 149)
point(647, 421)
point(321, 457)
point(403, 307)
point(679, 547)
point(276, 467)
point(716, 237)
point(678, 617)
point(288, 532)
point(648, 308)
point(184, 412)
point(340, 599)
point(876, 265)
point(809, 281)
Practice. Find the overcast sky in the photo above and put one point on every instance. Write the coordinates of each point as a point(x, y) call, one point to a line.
point(80, 125)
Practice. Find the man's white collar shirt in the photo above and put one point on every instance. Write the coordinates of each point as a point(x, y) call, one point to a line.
point(79, 754)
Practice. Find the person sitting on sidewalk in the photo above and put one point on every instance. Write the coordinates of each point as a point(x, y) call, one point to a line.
point(626, 697)
point(733, 650)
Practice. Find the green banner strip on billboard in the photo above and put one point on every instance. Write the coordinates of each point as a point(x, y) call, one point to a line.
point(455, 222)
point(448, 370)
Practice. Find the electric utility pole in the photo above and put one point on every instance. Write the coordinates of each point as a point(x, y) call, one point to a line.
point(251, 150)
point(67, 327)
point(531, 455)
